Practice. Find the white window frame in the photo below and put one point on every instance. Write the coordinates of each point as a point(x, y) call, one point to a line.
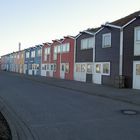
point(27, 54)
point(136, 31)
point(101, 68)
point(100, 72)
point(103, 40)
point(67, 64)
point(84, 43)
point(39, 52)
point(46, 53)
point(136, 42)
point(91, 68)
point(87, 43)
point(67, 47)
point(108, 74)
point(59, 49)
point(78, 67)
point(55, 53)
point(33, 54)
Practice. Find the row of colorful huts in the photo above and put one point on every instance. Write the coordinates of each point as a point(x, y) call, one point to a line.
point(108, 55)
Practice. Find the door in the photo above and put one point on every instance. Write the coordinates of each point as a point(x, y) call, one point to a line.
point(136, 74)
point(62, 71)
point(97, 76)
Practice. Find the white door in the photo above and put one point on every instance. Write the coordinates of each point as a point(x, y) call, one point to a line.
point(136, 74)
point(97, 75)
point(62, 71)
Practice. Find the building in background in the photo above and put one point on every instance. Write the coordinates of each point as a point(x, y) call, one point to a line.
point(32, 64)
point(108, 55)
point(66, 56)
point(27, 60)
point(46, 60)
point(21, 61)
point(38, 60)
point(84, 55)
point(55, 59)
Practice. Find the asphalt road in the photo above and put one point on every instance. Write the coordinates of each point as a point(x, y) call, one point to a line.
point(53, 113)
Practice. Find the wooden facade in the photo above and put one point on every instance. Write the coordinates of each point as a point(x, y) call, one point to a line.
point(100, 55)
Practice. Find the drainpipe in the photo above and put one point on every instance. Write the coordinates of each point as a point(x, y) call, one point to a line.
point(93, 60)
point(74, 63)
point(121, 52)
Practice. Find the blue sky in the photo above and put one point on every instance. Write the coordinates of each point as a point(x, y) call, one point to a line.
point(33, 22)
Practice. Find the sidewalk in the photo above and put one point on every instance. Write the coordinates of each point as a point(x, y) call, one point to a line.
point(126, 95)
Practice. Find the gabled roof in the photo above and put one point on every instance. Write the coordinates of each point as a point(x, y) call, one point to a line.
point(47, 43)
point(123, 21)
point(91, 31)
point(68, 36)
point(56, 40)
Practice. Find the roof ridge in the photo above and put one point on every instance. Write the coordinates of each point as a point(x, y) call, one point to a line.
point(124, 20)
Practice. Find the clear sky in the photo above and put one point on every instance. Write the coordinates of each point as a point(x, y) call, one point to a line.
point(33, 22)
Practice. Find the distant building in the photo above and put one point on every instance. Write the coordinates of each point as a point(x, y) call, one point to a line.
point(108, 55)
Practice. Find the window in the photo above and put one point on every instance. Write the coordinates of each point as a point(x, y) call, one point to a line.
point(55, 53)
point(33, 66)
point(27, 54)
point(137, 41)
point(138, 34)
point(45, 67)
point(39, 52)
point(55, 49)
point(106, 68)
point(98, 68)
point(87, 43)
point(37, 66)
point(54, 56)
point(65, 47)
point(30, 66)
point(67, 67)
point(62, 67)
point(106, 40)
point(90, 43)
point(78, 68)
point(137, 69)
point(59, 49)
point(32, 54)
point(84, 44)
point(89, 68)
point(48, 67)
point(51, 66)
point(46, 53)
point(83, 68)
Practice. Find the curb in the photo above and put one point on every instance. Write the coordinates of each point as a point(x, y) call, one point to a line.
point(85, 92)
point(19, 128)
point(6, 115)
